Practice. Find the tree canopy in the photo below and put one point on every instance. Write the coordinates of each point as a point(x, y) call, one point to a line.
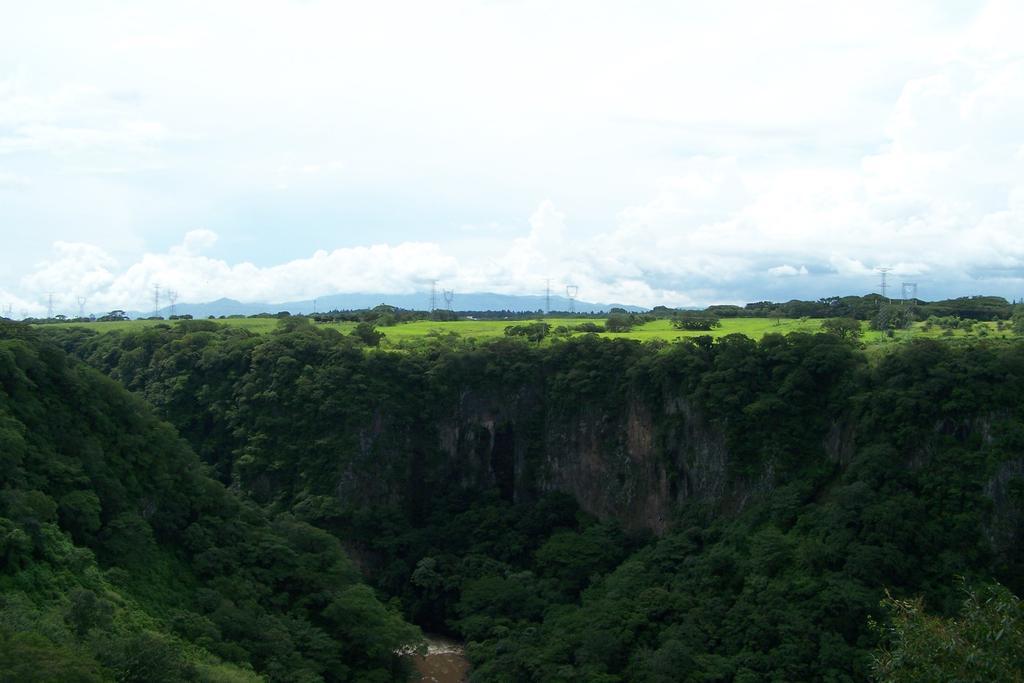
point(801, 478)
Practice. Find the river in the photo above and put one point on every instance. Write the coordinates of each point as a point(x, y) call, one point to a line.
point(445, 662)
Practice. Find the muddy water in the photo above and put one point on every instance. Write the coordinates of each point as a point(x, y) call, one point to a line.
point(444, 662)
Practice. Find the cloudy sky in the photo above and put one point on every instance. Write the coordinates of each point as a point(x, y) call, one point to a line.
point(652, 153)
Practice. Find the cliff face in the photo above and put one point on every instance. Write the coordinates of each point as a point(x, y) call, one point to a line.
point(1006, 529)
point(634, 465)
point(633, 432)
point(640, 464)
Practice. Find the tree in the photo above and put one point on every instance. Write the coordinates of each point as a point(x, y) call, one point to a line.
point(32, 658)
point(663, 312)
point(87, 611)
point(80, 514)
point(619, 322)
point(367, 334)
point(1018, 319)
point(696, 320)
point(368, 629)
point(844, 328)
point(891, 317)
point(145, 657)
point(535, 332)
point(985, 642)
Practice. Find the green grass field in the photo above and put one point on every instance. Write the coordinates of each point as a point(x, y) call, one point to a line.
point(754, 328)
point(259, 325)
point(659, 329)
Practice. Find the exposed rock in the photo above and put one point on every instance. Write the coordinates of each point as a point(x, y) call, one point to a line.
point(1006, 490)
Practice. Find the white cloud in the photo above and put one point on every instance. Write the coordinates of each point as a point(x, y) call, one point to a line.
point(13, 180)
point(75, 269)
point(787, 270)
point(71, 119)
point(197, 241)
point(941, 202)
point(287, 175)
point(65, 139)
point(85, 270)
point(688, 157)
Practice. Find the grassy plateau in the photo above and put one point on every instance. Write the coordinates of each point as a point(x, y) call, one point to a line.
point(755, 328)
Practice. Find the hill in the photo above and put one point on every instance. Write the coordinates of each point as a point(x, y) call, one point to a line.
point(470, 301)
point(122, 560)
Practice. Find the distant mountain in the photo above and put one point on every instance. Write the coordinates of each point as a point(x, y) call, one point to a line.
point(474, 301)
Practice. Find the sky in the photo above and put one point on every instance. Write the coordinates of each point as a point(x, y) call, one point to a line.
point(673, 153)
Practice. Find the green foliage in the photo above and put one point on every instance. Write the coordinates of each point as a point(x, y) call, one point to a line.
point(844, 328)
point(866, 308)
point(696, 320)
point(984, 642)
point(618, 322)
point(122, 560)
point(80, 515)
point(948, 322)
point(533, 332)
point(801, 481)
point(621, 320)
point(29, 657)
point(367, 334)
point(572, 558)
point(891, 317)
point(88, 611)
point(145, 657)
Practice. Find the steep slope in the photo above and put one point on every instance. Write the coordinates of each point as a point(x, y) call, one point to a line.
point(790, 482)
point(122, 560)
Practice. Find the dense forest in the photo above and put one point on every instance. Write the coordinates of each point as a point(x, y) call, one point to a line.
point(122, 560)
point(579, 509)
point(868, 307)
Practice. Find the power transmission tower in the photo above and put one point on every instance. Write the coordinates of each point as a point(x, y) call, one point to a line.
point(9, 312)
point(885, 284)
point(172, 296)
point(81, 306)
point(156, 300)
point(314, 306)
point(449, 296)
point(433, 295)
point(571, 291)
point(547, 296)
point(908, 288)
point(49, 306)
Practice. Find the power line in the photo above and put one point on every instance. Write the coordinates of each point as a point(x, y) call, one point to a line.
point(572, 291)
point(172, 296)
point(908, 288)
point(885, 285)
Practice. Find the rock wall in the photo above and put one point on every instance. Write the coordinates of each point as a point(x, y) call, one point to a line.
point(636, 466)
